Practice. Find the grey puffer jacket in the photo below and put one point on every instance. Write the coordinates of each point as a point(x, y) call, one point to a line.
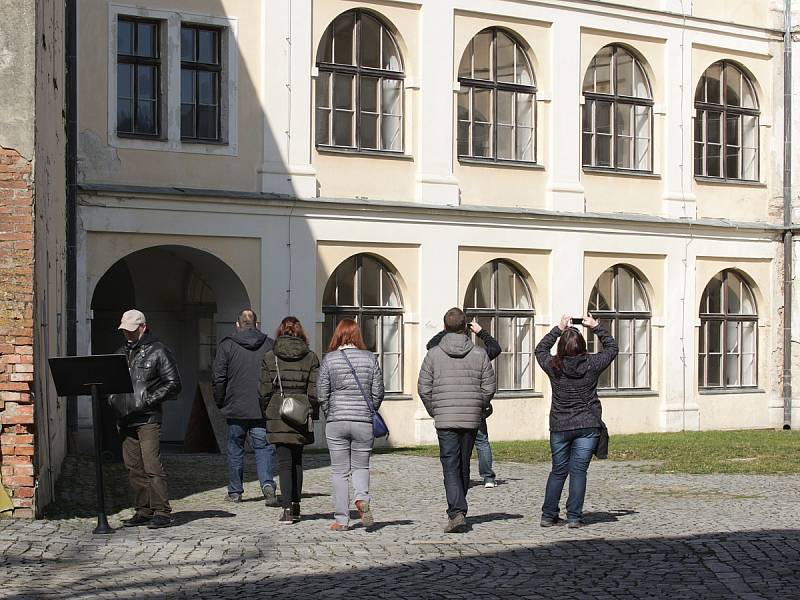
point(337, 390)
point(456, 383)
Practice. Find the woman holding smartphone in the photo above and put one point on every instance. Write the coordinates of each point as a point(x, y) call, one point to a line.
point(575, 411)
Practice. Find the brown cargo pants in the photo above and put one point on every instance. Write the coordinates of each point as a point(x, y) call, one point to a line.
point(142, 456)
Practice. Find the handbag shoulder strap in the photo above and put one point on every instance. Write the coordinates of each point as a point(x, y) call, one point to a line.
point(367, 398)
point(280, 385)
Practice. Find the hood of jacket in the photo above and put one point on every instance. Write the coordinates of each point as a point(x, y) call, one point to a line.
point(250, 339)
point(288, 347)
point(456, 345)
point(575, 367)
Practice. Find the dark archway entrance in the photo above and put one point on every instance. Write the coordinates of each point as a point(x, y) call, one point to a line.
point(190, 298)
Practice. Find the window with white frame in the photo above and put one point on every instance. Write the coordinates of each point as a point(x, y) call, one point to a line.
point(138, 77)
point(496, 99)
point(726, 124)
point(364, 289)
point(499, 299)
point(619, 302)
point(359, 87)
point(617, 122)
point(728, 337)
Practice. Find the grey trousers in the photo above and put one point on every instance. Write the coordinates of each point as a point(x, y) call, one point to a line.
point(350, 446)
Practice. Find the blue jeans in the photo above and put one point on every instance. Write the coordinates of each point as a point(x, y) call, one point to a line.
point(455, 451)
point(484, 453)
point(237, 432)
point(572, 452)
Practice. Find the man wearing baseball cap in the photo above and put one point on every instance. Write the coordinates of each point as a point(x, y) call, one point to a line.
point(155, 380)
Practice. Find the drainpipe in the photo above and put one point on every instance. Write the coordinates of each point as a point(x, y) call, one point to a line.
point(71, 92)
point(787, 215)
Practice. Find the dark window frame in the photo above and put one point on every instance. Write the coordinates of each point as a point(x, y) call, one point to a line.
point(358, 311)
point(724, 318)
point(703, 108)
point(616, 99)
point(495, 313)
point(357, 71)
point(494, 86)
point(615, 315)
point(197, 66)
point(136, 61)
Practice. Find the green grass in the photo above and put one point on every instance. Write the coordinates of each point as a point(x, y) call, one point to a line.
point(752, 451)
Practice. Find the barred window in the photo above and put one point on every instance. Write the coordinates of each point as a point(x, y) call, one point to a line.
point(138, 77)
point(499, 298)
point(359, 89)
point(617, 121)
point(364, 289)
point(619, 302)
point(201, 66)
point(497, 100)
point(728, 342)
point(726, 124)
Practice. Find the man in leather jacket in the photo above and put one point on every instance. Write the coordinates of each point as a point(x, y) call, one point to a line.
point(155, 380)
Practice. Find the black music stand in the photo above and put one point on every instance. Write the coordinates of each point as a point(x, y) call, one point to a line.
point(102, 373)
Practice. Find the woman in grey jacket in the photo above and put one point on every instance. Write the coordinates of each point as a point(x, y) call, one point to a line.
point(348, 418)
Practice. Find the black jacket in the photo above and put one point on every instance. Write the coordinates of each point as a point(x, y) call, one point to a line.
point(235, 374)
point(493, 350)
point(299, 368)
point(574, 403)
point(155, 379)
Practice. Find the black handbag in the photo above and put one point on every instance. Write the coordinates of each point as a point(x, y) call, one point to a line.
point(601, 451)
point(379, 427)
point(295, 408)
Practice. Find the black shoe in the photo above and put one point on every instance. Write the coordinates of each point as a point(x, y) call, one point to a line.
point(295, 512)
point(270, 499)
point(457, 524)
point(576, 524)
point(136, 520)
point(548, 522)
point(286, 517)
point(233, 498)
point(159, 522)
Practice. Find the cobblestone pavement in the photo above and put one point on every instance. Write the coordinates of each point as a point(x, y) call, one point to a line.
point(648, 536)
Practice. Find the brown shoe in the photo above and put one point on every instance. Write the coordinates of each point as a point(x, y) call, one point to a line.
point(338, 527)
point(457, 524)
point(364, 513)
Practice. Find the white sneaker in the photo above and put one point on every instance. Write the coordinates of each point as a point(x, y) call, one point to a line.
point(489, 483)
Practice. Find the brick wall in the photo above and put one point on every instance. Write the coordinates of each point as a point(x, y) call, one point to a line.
point(16, 330)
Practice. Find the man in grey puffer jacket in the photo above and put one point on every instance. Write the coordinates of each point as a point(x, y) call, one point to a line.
point(456, 384)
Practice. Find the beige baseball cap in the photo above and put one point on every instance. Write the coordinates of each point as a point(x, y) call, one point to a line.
point(131, 319)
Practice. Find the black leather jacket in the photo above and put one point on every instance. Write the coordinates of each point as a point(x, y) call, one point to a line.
point(155, 379)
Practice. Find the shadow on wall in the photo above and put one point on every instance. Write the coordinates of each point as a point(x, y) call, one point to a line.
point(738, 564)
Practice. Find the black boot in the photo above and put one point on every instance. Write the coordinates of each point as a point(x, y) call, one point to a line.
point(295, 512)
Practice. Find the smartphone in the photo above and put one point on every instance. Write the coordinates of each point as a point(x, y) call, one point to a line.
point(576, 320)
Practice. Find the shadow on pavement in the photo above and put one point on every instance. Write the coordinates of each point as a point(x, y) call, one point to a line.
point(187, 516)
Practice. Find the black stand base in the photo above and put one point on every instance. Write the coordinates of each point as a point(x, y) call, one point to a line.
point(103, 528)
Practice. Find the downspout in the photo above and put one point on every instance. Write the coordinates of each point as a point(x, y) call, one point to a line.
point(787, 215)
point(71, 45)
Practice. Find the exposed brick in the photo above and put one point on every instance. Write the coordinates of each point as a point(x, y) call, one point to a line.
point(22, 470)
point(13, 419)
point(23, 492)
point(23, 513)
point(20, 481)
point(26, 450)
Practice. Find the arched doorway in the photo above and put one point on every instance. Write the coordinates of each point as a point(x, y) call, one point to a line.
point(191, 299)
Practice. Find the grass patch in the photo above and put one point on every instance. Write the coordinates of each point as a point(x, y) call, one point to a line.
point(766, 452)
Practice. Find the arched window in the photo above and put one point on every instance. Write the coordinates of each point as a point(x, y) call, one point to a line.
point(359, 89)
point(499, 298)
point(726, 124)
point(617, 112)
point(619, 302)
point(497, 100)
point(728, 343)
point(364, 289)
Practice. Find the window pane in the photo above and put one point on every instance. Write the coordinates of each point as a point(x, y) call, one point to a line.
point(624, 370)
point(209, 42)
point(714, 127)
point(124, 81)
point(748, 301)
point(640, 303)
point(370, 330)
point(390, 57)
point(343, 39)
point(604, 381)
point(207, 122)
point(640, 87)
point(187, 43)
point(465, 66)
point(602, 117)
point(391, 133)
point(734, 286)
point(345, 277)
point(125, 116)
point(207, 87)
point(586, 149)
point(482, 111)
point(390, 293)
point(641, 336)
point(713, 294)
point(732, 162)
point(748, 94)
point(714, 337)
point(713, 84)
point(479, 291)
point(732, 370)
point(370, 282)
point(504, 365)
point(188, 121)
point(343, 91)
point(641, 376)
point(369, 94)
point(482, 44)
point(505, 58)
point(624, 290)
point(505, 142)
point(148, 40)
point(370, 42)
point(624, 336)
point(524, 144)
point(624, 76)
point(505, 286)
point(391, 333)
point(733, 86)
point(146, 82)
point(601, 298)
point(463, 123)
point(125, 37)
point(481, 140)
point(187, 85)
point(368, 132)
point(391, 373)
point(714, 375)
point(524, 72)
point(623, 153)
point(322, 95)
point(343, 128)
point(713, 160)
point(748, 369)
point(505, 107)
point(391, 95)
point(749, 164)
point(145, 117)
point(602, 69)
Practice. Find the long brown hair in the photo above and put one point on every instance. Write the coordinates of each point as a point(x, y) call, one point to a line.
point(291, 326)
point(347, 332)
point(571, 343)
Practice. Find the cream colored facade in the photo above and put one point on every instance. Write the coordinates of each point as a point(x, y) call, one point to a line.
point(265, 217)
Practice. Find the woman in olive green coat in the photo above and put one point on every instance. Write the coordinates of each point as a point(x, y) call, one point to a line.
point(298, 367)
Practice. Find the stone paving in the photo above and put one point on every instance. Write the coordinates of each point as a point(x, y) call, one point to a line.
point(648, 536)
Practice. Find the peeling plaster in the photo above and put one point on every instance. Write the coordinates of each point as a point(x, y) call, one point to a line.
point(96, 159)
